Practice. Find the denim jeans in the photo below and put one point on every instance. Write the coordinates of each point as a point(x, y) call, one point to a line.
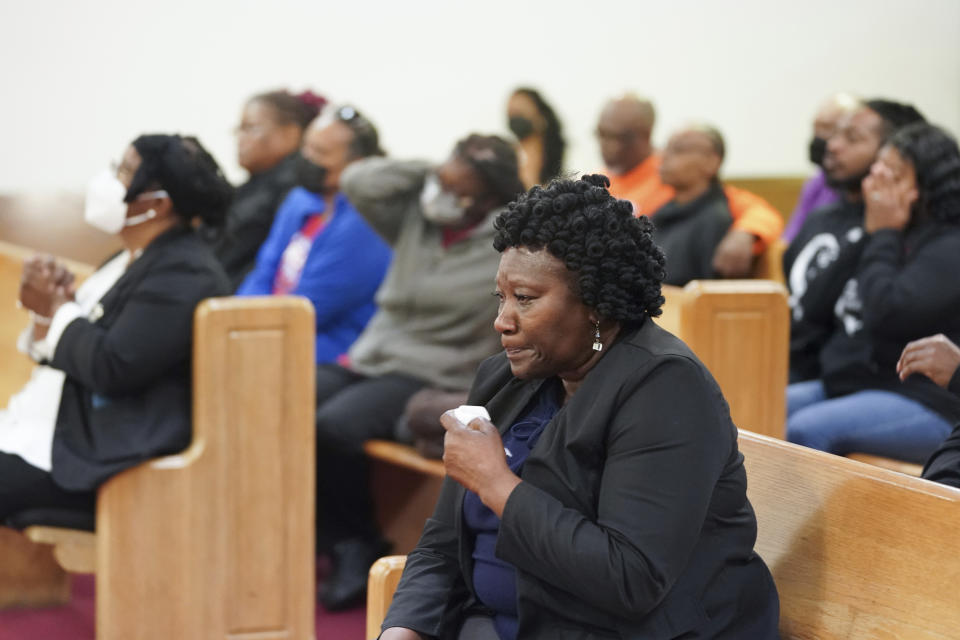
point(881, 423)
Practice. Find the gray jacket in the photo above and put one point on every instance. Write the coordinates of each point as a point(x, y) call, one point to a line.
point(435, 308)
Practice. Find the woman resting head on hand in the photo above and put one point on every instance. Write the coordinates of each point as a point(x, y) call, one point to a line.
point(606, 496)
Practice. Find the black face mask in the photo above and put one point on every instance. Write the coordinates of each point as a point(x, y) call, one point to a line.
point(521, 127)
point(818, 149)
point(311, 177)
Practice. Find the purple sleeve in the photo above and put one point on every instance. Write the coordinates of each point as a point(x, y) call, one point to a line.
point(814, 194)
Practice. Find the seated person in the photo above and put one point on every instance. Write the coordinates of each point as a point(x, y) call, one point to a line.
point(433, 326)
point(811, 260)
point(268, 138)
point(539, 136)
point(319, 247)
point(624, 131)
point(816, 192)
point(898, 289)
point(112, 385)
point(607, 497)
point(690, 226)
point(937, 358)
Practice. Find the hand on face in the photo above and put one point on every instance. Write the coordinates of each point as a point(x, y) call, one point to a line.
point(935, 357)
point(474, 456)
point(45, 285)
point(888, 199)
point(733, 257)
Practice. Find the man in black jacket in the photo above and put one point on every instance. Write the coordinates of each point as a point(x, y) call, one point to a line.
point(689, 227)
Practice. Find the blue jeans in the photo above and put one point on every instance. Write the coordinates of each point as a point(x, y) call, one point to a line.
point(881, 423)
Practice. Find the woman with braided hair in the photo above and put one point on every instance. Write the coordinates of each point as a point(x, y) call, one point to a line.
point(605, 496)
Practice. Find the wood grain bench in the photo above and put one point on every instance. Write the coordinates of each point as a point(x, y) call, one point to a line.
point(217, 541)
point(856, 551)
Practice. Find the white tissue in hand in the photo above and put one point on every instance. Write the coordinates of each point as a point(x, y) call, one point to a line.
point(467, 412)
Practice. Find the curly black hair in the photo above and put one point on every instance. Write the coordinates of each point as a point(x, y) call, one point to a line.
point(936, 160)
point(553, 143)
point(617, 267)
point(187, 172)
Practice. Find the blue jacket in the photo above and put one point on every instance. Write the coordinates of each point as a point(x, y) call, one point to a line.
point(344, 268)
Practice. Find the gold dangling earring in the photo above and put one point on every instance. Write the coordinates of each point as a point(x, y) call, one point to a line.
point(597, 345)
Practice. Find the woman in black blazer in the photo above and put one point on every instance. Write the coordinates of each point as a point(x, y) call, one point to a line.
point(114, 355)
point(606, 496)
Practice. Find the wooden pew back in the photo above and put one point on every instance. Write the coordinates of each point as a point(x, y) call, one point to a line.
point(780, 191)
point(740, 329)
point(856, 551)
point(218, 541)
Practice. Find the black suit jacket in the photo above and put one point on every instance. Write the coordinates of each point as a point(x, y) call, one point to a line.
point(126, 397)
point(632, 519)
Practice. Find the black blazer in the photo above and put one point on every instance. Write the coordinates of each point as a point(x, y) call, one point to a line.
point(126, 397)
point(632, 520)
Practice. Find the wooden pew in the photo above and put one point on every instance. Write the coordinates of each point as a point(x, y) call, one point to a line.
point(780, 191)
point(217, 541)
point(738, 328)
point(856, 551)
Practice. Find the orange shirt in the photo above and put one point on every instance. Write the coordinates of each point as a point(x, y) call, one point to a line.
point(750, 213)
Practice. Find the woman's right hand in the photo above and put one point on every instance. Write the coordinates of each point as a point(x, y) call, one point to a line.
point(400, 633)
point(935, 357)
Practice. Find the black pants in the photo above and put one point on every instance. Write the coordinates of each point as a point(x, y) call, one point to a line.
point(23, 486)
point(944, 465)
point(352, 408)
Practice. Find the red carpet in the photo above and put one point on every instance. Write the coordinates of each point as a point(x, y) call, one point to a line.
point(75, 620)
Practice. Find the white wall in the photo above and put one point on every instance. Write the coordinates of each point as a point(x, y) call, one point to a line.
point(79, 80)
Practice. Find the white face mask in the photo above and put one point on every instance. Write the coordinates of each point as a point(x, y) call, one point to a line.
point(105, 208)
point(439, 206)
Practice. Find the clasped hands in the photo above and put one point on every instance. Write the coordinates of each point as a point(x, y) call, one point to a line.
point(45, 285)
point(474, 456)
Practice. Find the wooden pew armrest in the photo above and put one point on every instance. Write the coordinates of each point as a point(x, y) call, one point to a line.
point(404, 456)
point(75, 550)
point(381, 585)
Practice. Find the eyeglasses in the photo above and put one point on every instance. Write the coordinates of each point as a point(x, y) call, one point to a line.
point(119, 167)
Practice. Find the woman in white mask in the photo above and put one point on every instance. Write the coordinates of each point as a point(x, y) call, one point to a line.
point(112, 385)
point(432, 328)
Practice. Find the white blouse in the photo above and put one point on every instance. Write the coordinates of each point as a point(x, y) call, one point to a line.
point(28, 422)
